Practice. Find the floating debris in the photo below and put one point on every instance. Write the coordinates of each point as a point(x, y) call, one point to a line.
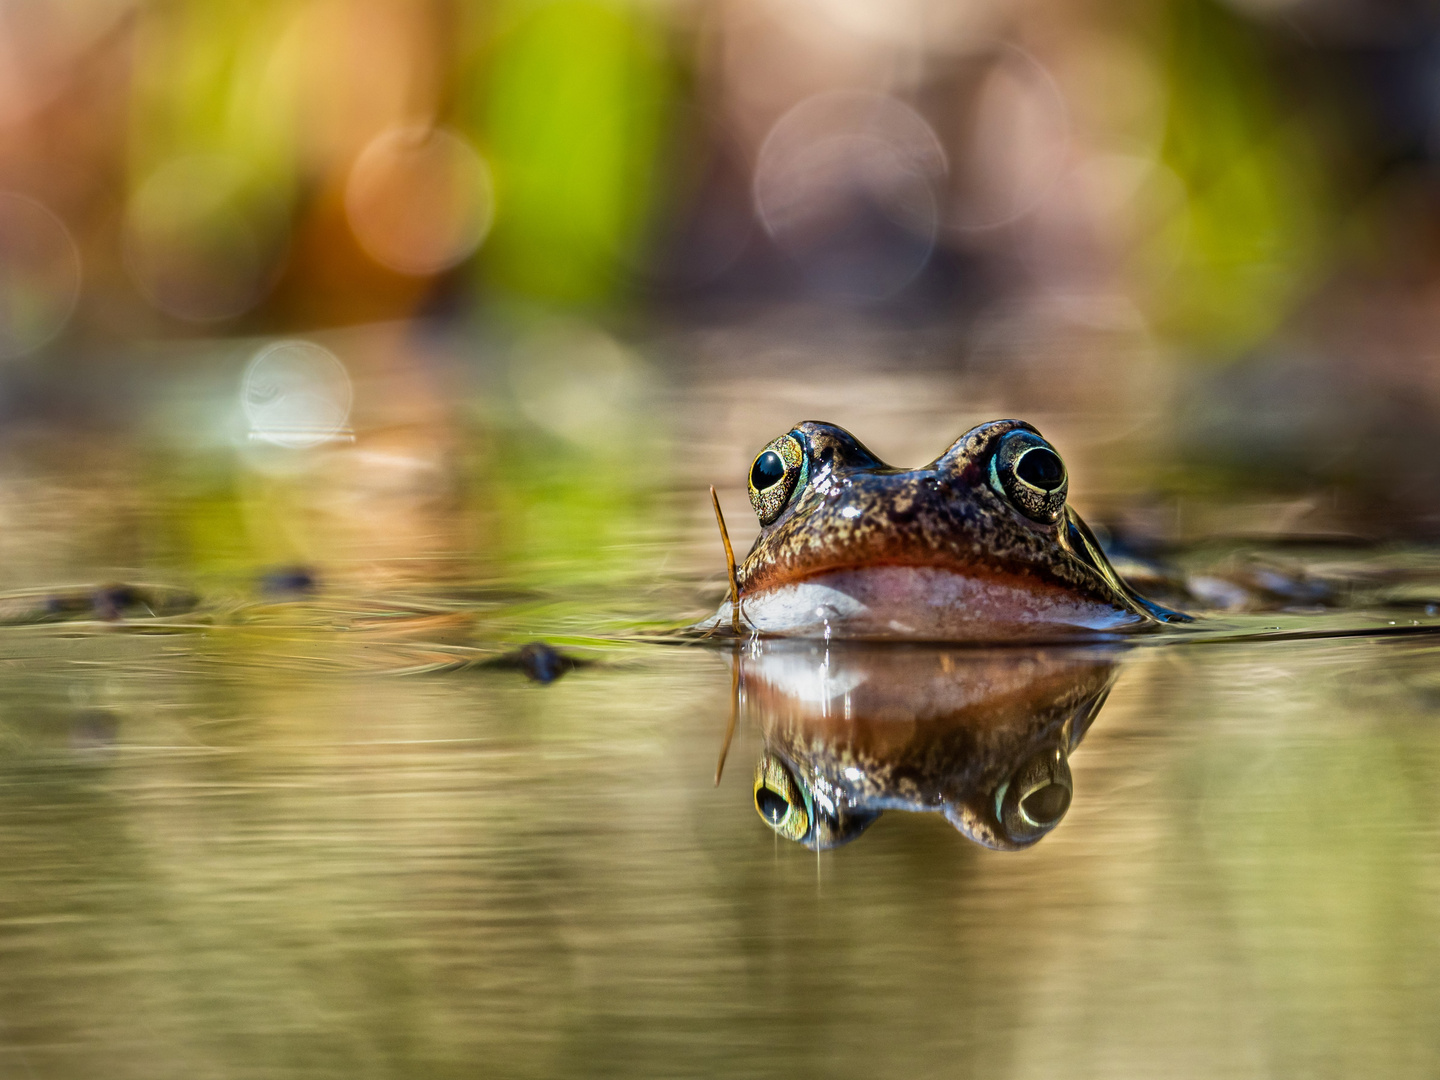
point(107, 603)
point(540, 662)
point(288, 581)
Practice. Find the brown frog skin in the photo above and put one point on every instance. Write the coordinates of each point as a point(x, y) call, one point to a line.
point(979, 545)
point(982, 737)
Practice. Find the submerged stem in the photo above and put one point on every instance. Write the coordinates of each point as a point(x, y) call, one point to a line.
point(734, 716)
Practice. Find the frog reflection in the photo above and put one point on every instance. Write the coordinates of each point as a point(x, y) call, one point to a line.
point(981, 737)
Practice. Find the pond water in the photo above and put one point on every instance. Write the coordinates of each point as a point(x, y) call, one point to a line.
point(263, 821)
point(228, 852)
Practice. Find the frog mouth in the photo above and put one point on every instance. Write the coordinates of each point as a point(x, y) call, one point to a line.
point(929, 602)
point(919, 592)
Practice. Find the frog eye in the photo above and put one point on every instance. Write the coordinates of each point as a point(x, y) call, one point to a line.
point(1036, 796)
point(780, 469)
point(1027, 471)
point(779, 800)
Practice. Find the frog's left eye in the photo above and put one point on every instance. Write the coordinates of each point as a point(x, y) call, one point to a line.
point(779, 800)
point(776, 474)
point(1027, 471)
point(1035, 798)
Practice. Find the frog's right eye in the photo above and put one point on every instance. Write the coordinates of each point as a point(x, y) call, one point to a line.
point(1025, 470)
point(775, 476)
point(779, 800)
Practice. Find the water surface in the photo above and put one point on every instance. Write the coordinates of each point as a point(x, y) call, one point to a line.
point(295, 831)
point(220, 862)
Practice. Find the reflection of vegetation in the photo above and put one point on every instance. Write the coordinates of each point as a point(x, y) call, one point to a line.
point(560, 471)
point(564, 511)
point(206, 531)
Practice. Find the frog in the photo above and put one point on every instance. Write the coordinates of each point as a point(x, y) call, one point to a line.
point(979, 545)
point(982, 737)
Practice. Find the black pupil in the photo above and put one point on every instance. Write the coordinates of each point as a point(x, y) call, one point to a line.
point(772, 807)
point(1041, 467)
point(1048, 805)
point(767, 471)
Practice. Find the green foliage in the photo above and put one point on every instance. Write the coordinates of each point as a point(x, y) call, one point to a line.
point(572, 118)
point(1255, 207)
point(207, 81)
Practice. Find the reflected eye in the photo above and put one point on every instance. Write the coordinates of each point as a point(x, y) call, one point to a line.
point(1036, 797)
point(1045, 805)
point(779, 800)
point(1027, 472)
point(780, 469)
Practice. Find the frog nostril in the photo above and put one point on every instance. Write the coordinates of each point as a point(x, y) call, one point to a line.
point(768, 471)
point(1041, 468)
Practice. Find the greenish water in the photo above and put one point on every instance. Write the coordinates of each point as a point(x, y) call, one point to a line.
point(258, 851)
point(324, 835)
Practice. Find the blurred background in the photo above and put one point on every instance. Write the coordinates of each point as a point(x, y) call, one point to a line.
point(434, 289)
point(466, 302)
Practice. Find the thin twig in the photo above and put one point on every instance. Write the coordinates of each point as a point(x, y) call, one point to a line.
point(729, 563)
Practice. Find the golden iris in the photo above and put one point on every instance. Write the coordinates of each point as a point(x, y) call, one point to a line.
point(779, 800)
point(774, 475)
point(1026, 470)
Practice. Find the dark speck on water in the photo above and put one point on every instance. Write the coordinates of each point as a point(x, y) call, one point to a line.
point(288, 581)
point(93, 729)
point(112, 602)
point(106, 602)
point(540, 662)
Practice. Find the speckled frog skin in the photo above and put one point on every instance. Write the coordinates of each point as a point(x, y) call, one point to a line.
point(979, 545)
